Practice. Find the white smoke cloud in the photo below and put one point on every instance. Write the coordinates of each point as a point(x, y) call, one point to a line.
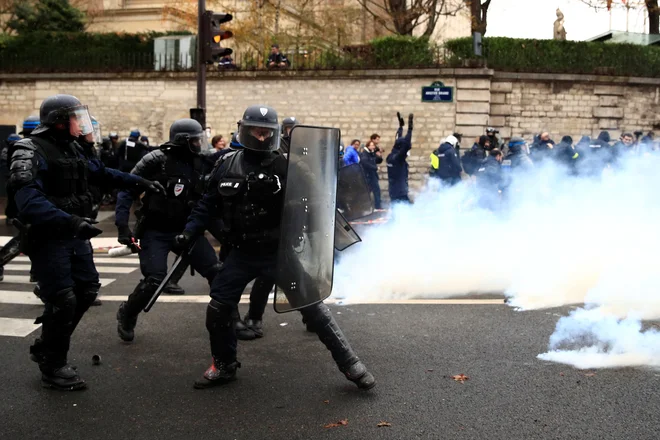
point(561, 240)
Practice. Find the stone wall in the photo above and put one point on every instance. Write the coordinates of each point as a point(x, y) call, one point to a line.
point(358, 102)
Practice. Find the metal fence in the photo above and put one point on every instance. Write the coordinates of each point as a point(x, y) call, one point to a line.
point(86, 62)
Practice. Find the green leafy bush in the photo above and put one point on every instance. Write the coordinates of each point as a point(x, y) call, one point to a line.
point(550, 56)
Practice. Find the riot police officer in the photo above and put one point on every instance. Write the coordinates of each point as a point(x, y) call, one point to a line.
point(247, 190)
point(287, 125)
point(50, 179)
point(178, 166)
point(130, 151)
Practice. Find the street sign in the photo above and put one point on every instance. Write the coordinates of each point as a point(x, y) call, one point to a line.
point(437, 92)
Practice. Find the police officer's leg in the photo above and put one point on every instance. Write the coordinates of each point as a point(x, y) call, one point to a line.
point(204, 260)
point(8, 252)
point(226, 289)
point(253, 321)
point(375, 187)
point(320, 317)
point(153, 264)
point(172, 287)
point(85, 278)
point(51, 262)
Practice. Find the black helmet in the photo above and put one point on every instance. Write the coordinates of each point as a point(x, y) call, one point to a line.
point(187, 133)
point(259, 130)
point(29, 124)
point(59, 109)
point(289, 122)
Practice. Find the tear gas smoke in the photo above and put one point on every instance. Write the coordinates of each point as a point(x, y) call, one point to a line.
point(558, 240)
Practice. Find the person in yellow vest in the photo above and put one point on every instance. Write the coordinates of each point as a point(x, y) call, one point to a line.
point(445, 164)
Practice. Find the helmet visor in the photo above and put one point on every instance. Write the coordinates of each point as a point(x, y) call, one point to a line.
point(259, 136)
point(80, 121)
point(195, 142)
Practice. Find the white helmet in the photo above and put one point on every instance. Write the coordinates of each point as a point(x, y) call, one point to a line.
point(451, 140)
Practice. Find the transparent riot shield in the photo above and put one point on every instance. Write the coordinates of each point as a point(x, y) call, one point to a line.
point(306, 249)
point(345, 235)
point(354, 199)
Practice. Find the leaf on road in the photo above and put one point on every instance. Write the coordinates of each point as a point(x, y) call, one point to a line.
point(381, 424)
point(561, 374)
point(338, 424)
point(429, 370)
point(460, 378)
point(590, 374)
point(326, 401)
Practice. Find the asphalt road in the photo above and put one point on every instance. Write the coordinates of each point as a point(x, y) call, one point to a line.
point(289, 387)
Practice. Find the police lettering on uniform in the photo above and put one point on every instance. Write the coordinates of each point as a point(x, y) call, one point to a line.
point(445, 165)
point(180, 168)
point(50, 178)
point(247, 191)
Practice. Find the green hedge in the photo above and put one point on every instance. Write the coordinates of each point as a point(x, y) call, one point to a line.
point(550, 56)
point(74, 51)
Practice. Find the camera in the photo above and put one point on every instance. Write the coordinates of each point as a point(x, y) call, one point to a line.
point(639, 134)
point(492, 130)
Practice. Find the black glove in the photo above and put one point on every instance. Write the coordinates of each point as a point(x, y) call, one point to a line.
point(182, 241)
point(152, 186)
point(125, 235)
point(83, 227)
point(401, 123)
point(410, 121)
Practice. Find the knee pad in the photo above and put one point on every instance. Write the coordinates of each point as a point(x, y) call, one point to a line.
point(151, 283)
point(62, 308)
point(218, 316)
point(87, 294)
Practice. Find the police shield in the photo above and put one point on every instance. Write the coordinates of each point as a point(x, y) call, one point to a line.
point(306, 248)
point(354, 199)
point(345, 235)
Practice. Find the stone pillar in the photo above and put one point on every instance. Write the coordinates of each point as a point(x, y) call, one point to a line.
point(608, 111)
point(472, 106)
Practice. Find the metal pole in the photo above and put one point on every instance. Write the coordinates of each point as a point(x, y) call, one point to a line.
point(201, 66)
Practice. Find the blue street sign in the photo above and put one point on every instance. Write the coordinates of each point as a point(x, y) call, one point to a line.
point(437, 92)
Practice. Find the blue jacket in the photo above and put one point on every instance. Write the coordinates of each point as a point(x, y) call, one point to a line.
point(351, 156)
point(397, 167)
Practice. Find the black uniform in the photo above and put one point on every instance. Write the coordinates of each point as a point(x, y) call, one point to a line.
point(178, 166)
point(246, 192)
point(490, 183)
point(473, 158)
point(130, 152)
point(50, 177)
point(397, 166)
point(369, 162)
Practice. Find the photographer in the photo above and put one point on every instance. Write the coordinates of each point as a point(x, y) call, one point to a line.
point(495, 141)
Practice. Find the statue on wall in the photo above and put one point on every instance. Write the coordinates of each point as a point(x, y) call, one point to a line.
point(560, 31)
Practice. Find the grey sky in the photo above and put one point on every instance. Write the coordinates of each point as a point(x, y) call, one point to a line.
point(535, 18)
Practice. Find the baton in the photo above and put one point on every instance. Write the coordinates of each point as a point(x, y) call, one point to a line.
point(181, 259)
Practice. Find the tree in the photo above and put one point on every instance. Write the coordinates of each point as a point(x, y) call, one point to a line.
point(46, 15)
point(405, 16)
point(652, 9)
point(478, 15)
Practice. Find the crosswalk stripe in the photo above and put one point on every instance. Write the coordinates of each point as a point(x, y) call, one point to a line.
point(245, 298)
point(97, 260)
point(17, 327)
point(18, 297)
point(25, 279)
point(99, 269)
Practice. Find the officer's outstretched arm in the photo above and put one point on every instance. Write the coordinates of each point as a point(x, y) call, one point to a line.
point(24, 181)
point(102, 176)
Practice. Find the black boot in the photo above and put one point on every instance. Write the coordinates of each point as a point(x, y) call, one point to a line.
point(2, 273)
point(173, 289)
point(125, 324)
point(256, 325)
point(219, 373)
point(36, 354)
point(243, 332)
point(64, 378)
point(320, 317)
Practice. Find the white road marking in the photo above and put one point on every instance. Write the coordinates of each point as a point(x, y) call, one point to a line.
point(18, 297)
point(195, 299)
point(100, 269)
point(17, 327)
point(97, 260)
point(97, 242)
point(25, 279)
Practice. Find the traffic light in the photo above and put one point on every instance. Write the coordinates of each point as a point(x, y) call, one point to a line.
point(212, 36)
